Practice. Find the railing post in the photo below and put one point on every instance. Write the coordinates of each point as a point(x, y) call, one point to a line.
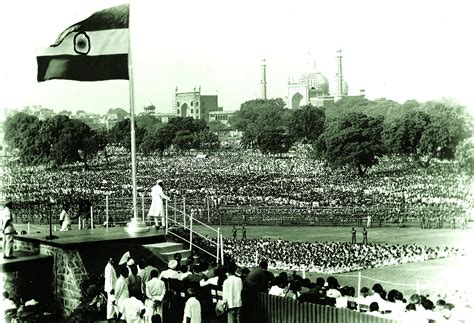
point(166, 217)
point(92, 219)
point(218, 243)
point(222, 250)
point(184, 212)
point(174, 199)
point(143, 208)
point(107, 210)
point(359, 282)
point(191, 232)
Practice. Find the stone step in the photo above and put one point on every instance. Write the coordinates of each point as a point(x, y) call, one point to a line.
point(163, 247)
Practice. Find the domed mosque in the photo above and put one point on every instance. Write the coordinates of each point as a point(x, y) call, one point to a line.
point(313, 88)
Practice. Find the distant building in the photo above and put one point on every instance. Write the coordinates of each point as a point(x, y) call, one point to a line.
point(194, 104)
point(313, 88)
point(221, 116)
point(164, 117)
point(150, 109)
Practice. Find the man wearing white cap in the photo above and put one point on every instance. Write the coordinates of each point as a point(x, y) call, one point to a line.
point(157, 208)
point(171, 272)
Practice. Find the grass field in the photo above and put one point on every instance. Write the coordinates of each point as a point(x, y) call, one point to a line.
point(433, 276)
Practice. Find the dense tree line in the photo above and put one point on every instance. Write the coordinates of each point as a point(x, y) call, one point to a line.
point(352, 132)
point(356, 132)
point(61, 140)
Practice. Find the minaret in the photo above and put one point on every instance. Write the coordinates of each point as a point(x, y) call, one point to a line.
point(264, 80)
point(339, 80)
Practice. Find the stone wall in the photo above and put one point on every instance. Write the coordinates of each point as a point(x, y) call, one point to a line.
point(68, 273)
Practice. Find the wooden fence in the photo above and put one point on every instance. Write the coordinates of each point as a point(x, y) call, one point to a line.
point(275, 309)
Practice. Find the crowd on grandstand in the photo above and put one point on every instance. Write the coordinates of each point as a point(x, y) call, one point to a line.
point(329, 257)
point(253, 181)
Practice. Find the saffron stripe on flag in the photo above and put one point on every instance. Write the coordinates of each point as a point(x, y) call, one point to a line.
point(83, 68)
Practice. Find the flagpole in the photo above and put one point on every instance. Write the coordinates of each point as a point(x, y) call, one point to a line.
point(135, 225)
point(132, 118)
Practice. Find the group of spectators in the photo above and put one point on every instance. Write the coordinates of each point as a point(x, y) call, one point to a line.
point(252, 181)
point(329, 257)
point(144, 291)
point(376, 300)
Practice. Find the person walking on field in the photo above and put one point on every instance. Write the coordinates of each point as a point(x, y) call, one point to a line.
point(364, 233)
point(157, 209)
point(244, 232)
point(369, 221)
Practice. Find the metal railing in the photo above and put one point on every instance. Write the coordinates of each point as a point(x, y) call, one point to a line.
point(185, 221)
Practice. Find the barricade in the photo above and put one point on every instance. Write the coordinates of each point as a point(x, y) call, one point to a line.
point(275, 309)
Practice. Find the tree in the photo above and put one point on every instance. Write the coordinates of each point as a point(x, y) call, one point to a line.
point(157, 138)
point(185, 140)
point(256, 115)
point(208, 140)
point(16, 127)
point(465, 155)
point(120, 134)
point(403, 135)
point(355, 140)
point(306, 124)
point(448, 127)
point(273, 140)
point(147, 121)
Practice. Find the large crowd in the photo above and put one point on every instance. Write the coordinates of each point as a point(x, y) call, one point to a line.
point(254, 181)
point(329, 257)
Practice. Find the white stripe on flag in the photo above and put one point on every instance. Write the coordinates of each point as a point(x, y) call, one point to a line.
point(102, 42)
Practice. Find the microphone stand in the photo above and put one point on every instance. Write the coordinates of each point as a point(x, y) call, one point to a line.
point(51, 236)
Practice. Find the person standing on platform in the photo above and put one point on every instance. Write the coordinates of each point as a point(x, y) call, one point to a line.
point(354, 238)
point(244, 232)
point(65, 219)
point(110, 278)
point(364, 233)
point(5, 214)
point(8, 238)
point(157, 209)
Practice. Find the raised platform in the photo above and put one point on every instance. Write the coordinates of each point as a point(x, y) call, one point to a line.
point(89, 237)
point(22, 260)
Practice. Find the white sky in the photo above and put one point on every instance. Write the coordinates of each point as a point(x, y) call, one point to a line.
point(395, 49)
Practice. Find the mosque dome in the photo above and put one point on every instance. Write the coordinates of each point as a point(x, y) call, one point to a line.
point(317, 82)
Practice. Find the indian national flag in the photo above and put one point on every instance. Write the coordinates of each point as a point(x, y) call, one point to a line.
point(94, 49)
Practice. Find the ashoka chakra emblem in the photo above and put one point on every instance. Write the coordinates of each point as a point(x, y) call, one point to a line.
point(82, 43)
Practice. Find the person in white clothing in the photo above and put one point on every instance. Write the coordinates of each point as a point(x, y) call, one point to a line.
point(192, 309)
point(65, 219)
point(5, 214)
point(121, 287)
point(157, 209)
point(232, 294)
point(110, 278)
point(132, 309)
point(155, 292)
point(171, 272)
